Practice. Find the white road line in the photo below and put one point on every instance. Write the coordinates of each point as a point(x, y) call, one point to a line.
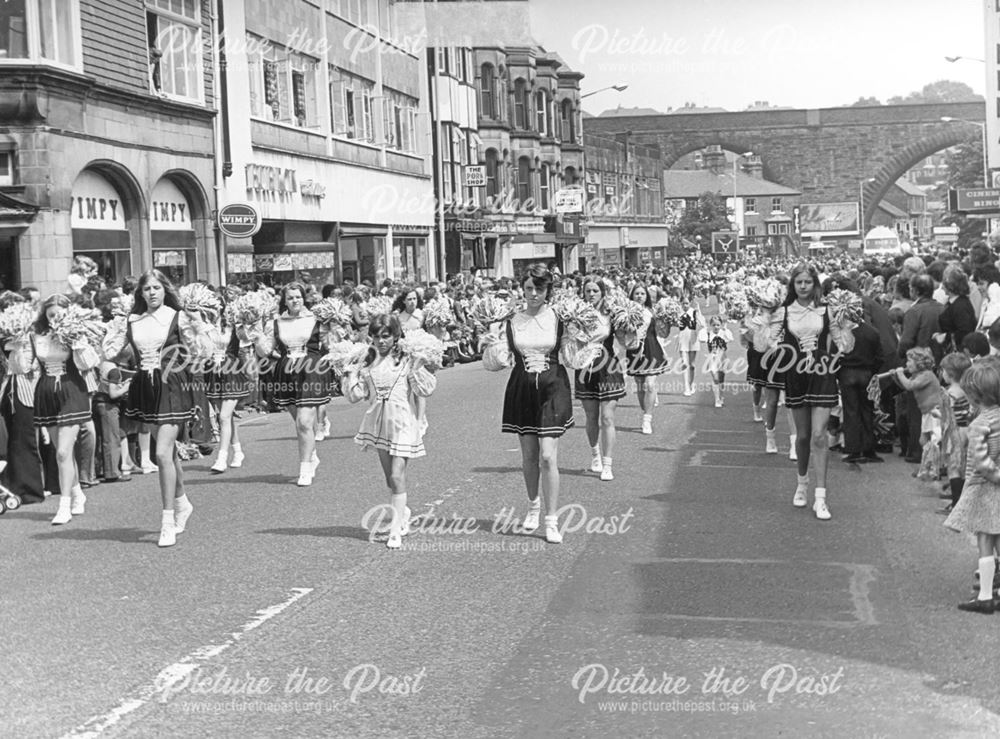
point(172, 674)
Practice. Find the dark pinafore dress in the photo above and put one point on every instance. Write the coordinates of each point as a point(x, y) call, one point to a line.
point(603, 380)
point(162, 391)
point(302, 377)
point(811, 379)
point(648, 358)
point(61, 397)
point(537, 403)
point(227, 378)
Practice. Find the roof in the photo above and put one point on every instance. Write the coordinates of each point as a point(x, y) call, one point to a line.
point(892, 210)
point(620, 111)
point(690, 183)
point(909, 188)
point(706, 109)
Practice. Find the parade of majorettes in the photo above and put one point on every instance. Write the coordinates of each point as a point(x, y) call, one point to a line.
point(838, 362)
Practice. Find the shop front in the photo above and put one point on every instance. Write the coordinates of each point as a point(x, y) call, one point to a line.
point(15, 218)
point(410, 258)
point(172, 234)
point(292, 251)
point(100, 225)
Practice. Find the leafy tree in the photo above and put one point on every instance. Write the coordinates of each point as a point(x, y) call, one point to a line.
point(942, 91)
point(709, 213)
point(965, 169)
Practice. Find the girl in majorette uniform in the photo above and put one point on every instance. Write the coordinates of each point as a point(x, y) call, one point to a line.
point(227, 381)
point(302, 378)
point(691, 321)
point(802, 338)
point(538, 405)
point(163, 338)
point(716, 338)
point(601, 385)
point(395, 423)
point(645, 357)
point(62, 403)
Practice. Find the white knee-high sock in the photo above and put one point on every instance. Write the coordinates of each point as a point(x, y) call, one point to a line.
point(987, 566)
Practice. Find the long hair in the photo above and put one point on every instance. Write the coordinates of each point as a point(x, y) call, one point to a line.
point(636, 286)
point(379, 323)
point(399, 304)
point(42, 321)
point(170, 298)
point(293, 285)
point(594, 279)
point(817, 294)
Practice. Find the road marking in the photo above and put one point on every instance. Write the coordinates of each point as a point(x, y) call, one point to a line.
point(173, 674)
point(861, 577)
point(698, 456)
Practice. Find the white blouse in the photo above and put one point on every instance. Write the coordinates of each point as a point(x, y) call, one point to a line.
point(534, 337)
point(295, 332)
point(805, 323)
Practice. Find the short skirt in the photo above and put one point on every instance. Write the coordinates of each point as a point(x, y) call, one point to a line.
point(538, 404)
point(61, 401)
point(646, 360)
point(226, 383)
point(758, 376)
point(810, 380)
point(158, 401)
point(978, 510)
point(304, 382)
point(603, 380)
point(687, 340)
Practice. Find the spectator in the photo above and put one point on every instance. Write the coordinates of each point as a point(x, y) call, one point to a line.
point(958, 317)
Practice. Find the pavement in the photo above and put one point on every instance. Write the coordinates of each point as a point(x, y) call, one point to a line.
point(689, 598)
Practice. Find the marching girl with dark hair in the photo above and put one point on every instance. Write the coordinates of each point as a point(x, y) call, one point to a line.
point(302, 378)
point(691, 322)
point(163, 338)
point(227, 381)
point(601, 385)
point(62, 403)
point(803, 340)
point(537, 404)
point(645, 357)
point(395, 423)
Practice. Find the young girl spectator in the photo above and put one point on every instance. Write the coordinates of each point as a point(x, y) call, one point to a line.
point(978, 509)
point(716, 337)
point(927, 391)
point(394, 424)
point(955, 415)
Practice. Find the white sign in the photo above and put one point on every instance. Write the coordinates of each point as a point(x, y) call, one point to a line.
point(992, 69)
point(96, 204)
point(475, 175)
point(169, 209)
point(569, 200)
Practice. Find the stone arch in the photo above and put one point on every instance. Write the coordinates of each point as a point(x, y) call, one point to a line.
point(136, 206)
point(903, 161)
point(675, 155)
point(196, 196)
point(207, 257)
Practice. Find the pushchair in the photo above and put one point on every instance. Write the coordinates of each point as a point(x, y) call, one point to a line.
point(8, 501)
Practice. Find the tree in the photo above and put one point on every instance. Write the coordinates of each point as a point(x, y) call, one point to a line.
point(965, 169)
point(865, 102)
point(708, 214)
point(942, 91)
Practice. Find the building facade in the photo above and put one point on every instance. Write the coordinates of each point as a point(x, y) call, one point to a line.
point(625, 220)
point(326, 133)
point(106, 139)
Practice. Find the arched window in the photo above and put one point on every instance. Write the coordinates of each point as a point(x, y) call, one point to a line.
point(521, 107)
point(492, 173)
point(568, 124)
point(487, 92)
point(569, 176)
point(541, 105)
point(523, 181)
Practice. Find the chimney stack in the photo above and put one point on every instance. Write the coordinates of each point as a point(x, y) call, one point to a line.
point(754, 167)
point(714, 159)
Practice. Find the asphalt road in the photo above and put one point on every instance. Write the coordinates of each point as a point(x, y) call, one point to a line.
point(691, 599)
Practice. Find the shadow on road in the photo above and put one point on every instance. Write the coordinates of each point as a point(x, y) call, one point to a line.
point(126, 536)
point(324, 532)
point(282, 480)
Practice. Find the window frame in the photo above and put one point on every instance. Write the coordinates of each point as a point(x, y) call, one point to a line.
point(776, 205)
point(8, 179)
point(152, 8)
point(750, 205)
point(33, 37)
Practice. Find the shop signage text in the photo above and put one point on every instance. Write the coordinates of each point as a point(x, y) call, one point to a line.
point(239, 220)
point(102, 210)
point(312, 189)
point(164, 212)
point(271, 180)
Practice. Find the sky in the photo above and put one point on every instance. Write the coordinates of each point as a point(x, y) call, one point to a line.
point(731, 53)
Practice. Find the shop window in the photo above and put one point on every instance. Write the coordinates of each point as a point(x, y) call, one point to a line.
point(173, 31)
point(6, 168)
point(40, 30)
point(177, 264)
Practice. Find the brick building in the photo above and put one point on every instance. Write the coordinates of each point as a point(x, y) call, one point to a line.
point(106, 139)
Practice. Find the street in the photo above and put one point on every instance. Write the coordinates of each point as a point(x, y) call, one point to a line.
point(689, 598)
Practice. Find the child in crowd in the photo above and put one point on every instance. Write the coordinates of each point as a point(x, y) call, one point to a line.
point(978, 509)
point(975, 345)
point(955, 416)
point(716, 337)
point(927, 391)
point(394, 424)
point(994, 337)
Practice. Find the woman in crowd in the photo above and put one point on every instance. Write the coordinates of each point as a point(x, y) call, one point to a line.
point(645, 357)
point(409, 308)
point(161, 395)
point(601, 385)
point(537, 403)
point(302, 380)
point(958, 317)
point(803, 339)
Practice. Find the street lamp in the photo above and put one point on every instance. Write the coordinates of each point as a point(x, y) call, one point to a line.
point(861, 200)
point(954, 59)
point(736, 223)
point(986, 168)
point(617, 88)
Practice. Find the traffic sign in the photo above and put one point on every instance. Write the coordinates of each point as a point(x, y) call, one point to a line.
point(239, 220)
point(725, 242)
point(974, 200)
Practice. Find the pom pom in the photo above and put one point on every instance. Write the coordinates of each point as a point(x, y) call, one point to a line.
point(332, 310)
point(378, 305)
point(420, 345)
point(252, 308)
point(75, 325)
point(438, 313)
point(765, 293)
point(122, 305)
point(733, 297)
point(666, 313)
point(627, 315)
point(491, 309)
point(575, 312)
point(197, 298)
point(344, 354)
point(845, 306)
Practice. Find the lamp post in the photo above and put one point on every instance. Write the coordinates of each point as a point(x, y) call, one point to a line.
point(982, 126)
point(617, 88)
point(861, 201)
point(954, 59)
point(736, 223)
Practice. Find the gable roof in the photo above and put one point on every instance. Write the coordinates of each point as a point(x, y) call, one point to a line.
point(690, 183)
